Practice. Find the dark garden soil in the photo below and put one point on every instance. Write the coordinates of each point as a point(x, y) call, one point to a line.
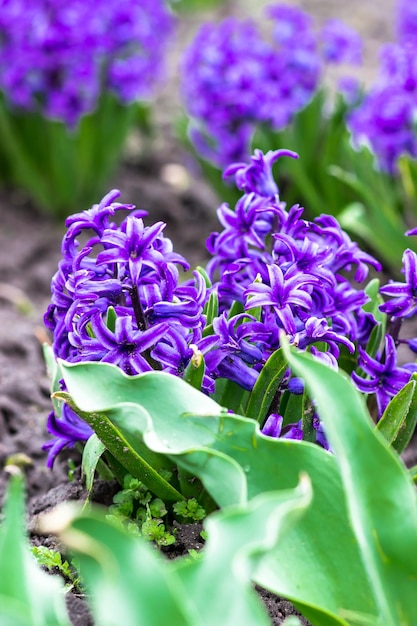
point(29, 253)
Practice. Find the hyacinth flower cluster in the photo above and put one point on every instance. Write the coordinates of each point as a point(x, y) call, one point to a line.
point(234, 78)
point(385, 119)
point(75, 79)
point(58, 58)
point(117, 298)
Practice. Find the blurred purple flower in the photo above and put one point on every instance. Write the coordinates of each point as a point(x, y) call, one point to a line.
point(385, 120)
point(406, 21)
point(292, 25)
point(59, 58)
point(340, 43)
point(234, 79)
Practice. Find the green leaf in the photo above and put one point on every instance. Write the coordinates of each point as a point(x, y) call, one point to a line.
point(380, 495)
point(128, 581)
point(28, 596)
point(211, 309)
point(399, 420)
point(266, 386)
point(93, 450)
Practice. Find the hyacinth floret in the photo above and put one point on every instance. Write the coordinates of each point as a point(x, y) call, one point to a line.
point(67, 431)
point(385, 377)
point(404, 294)
point(257, 177)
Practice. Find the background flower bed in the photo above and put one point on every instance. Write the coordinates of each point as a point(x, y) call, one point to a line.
point(29, 252)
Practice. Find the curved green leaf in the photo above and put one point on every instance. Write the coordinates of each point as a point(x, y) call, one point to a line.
point(380, 494)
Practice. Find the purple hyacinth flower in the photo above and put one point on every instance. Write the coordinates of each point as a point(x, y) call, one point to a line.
point(404, 303)
point(321, 438)
point(286, 291)
point(296, 386)
point(123, 347)
point(67, 430)
point(132, 246)
point(257, 176)
point(245, 227)
point(273, 425)
point(318, 330)
point(385, 377)
point(239, 346)
point(96, 218)
point(273, 428)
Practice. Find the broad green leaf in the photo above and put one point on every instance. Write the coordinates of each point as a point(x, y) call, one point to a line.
point(161, 395)
point(28, 596)
point(399, 420)
point(380, 494)
point(236, 463)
